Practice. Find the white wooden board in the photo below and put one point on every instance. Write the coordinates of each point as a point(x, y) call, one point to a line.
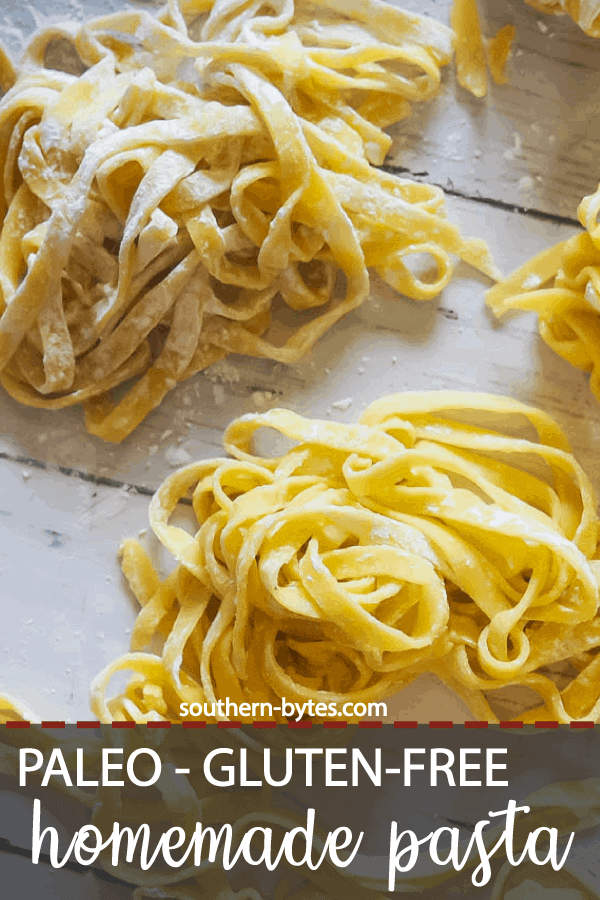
point(66, 611)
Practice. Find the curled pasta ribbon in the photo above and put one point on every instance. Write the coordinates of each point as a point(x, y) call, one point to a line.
point(428, 536)
point(585, 12)
point(206, 160)
point(562, 285)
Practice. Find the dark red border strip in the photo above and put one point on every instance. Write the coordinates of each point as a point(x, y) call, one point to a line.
point(307, 723)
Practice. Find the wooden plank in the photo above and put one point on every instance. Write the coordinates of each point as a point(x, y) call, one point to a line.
point(66, 609)
point(533, 142)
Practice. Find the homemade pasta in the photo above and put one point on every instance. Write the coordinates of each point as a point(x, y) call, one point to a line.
point(208, 160)
point(427, 537)
point(562, 285)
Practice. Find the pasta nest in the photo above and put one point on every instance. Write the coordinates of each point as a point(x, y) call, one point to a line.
point(427, 537)
point(200, 167)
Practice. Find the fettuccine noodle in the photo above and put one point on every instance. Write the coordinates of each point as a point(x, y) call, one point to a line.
point(426, 537)
point(475, 55)
point(208, 160)
point(562, 285)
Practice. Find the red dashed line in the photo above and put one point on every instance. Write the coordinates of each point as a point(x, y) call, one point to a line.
point(307, 723)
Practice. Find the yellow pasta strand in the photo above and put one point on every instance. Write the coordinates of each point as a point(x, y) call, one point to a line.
point(471, 69)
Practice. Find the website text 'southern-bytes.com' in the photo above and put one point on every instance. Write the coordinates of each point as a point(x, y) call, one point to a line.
point(227, 709)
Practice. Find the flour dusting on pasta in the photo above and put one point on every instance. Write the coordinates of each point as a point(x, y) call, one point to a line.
point(207, 160)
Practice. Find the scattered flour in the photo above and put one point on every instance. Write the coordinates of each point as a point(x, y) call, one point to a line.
point(343, 405)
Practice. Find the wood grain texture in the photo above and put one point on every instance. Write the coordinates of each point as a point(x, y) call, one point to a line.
point(534, 142)
point(66, 608)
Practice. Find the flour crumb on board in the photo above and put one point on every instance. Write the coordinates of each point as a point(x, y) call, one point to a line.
point(261, 398)
point(218, 394)
point(526, 183)
point(177, 456)
point(26, 474)
point(343, 405)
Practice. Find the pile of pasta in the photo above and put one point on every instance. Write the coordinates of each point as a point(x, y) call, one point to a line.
point(427, 537)
point(562, 285)
point(585, 12)
point(202, 164)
